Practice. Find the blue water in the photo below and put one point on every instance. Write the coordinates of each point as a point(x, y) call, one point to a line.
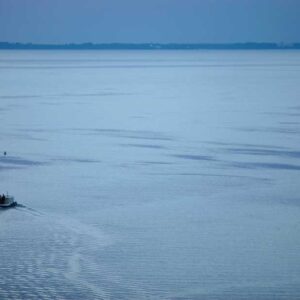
point(150, 174)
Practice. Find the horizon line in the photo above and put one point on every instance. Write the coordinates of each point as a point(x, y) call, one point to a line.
point(149, 46)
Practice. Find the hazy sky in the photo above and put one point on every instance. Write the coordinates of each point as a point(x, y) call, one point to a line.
point(60, 21)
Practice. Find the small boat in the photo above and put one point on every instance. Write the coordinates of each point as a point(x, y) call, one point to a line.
point(7, 201)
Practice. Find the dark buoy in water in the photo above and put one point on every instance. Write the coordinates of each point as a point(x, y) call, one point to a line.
point(4, 153)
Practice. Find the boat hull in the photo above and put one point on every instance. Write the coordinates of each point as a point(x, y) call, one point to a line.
point(8, 202)
point(13, 204)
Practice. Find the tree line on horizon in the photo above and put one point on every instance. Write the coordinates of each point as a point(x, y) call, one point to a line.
point(150, 46)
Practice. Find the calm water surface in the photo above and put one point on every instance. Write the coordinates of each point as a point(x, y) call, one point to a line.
point(150, 175)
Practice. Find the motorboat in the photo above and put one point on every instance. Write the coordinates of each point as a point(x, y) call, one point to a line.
point(7, 201)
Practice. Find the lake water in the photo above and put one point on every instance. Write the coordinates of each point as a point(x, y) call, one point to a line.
point(150, 174)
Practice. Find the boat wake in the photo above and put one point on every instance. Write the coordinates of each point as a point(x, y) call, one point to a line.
point(27, 209)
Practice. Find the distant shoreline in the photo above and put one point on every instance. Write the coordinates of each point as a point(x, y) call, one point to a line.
point(150, 46)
